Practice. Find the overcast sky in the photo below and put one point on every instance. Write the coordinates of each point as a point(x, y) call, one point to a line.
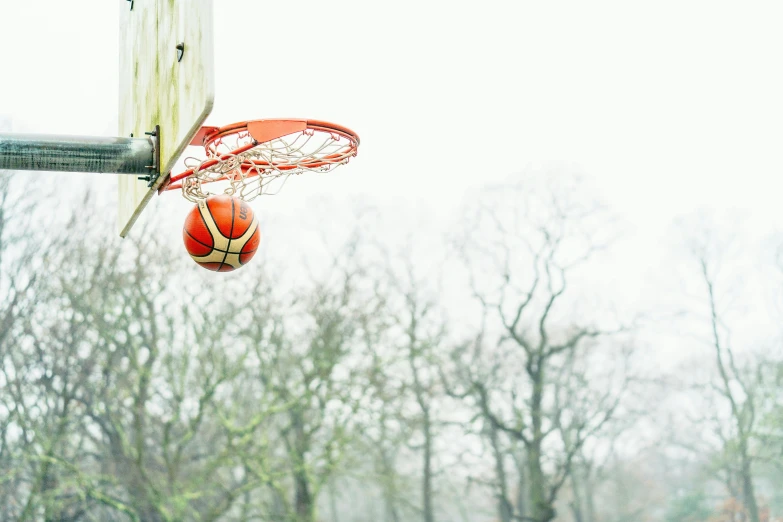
point(665, 107)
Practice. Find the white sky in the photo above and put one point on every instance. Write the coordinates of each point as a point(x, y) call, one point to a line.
point(665, 107)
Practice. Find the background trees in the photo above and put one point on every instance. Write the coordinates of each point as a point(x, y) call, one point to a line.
point(545, 382)
point(385, 384)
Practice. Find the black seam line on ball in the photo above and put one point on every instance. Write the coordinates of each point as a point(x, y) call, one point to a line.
point(218, 249)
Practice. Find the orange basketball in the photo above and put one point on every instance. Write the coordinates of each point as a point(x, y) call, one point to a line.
point(221, 233)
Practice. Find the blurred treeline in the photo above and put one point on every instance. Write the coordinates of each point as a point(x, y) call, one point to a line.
point(369, 386)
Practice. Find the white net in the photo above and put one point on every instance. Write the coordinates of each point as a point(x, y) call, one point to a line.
point(238, 166)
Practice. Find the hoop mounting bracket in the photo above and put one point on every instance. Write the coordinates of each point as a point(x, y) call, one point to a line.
point(155, 167)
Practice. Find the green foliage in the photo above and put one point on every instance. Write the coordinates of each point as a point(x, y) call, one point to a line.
point(689, 507)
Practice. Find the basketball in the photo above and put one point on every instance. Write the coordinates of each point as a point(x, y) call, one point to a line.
point(221, 233)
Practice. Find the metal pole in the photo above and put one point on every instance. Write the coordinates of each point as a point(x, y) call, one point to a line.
point(77, 154)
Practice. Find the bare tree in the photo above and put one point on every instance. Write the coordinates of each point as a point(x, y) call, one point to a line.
point(538, 382)
point(23, 250)
point(735, 388)
point(134, 379)
point(416, 351)
point(386, 435)
point(307, 362)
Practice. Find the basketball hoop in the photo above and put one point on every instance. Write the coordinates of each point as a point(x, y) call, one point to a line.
point(250, 156)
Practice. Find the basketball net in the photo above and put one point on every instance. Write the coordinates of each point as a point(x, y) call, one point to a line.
point(252, 160)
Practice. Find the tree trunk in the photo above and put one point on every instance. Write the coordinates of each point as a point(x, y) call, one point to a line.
point(576, 503)
point(46, 482)
point(541, 509)
point(426, 488)
point(737, 410)
point(590, 504)
point(303, 500)
point(748, 489)
point(304, 503)
point(505, 510)
point(522, 488)
point(140, 493)
point(389, 488)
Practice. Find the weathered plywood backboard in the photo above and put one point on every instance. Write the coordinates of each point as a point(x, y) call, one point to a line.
point(157, 89)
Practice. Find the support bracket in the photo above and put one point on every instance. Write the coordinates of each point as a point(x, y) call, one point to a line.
point(154, 174)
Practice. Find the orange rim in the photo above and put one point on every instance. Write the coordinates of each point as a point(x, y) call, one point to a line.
point(263, 131)
point(266, 130)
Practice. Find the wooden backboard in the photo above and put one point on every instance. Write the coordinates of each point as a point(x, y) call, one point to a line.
point(158, 88)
